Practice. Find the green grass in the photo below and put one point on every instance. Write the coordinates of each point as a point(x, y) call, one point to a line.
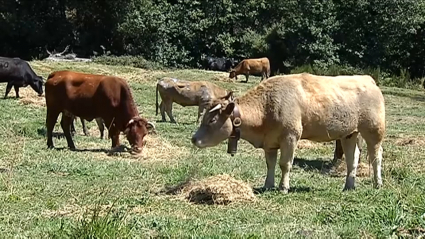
point(51, 193)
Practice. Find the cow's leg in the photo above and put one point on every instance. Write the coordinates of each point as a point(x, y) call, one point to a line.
point(101, 126)
point(8, 88)
point(85, 130)
point(16, 90)
point(271, 158)
point(66, 127)
point(338, 152)
point(374, 150)
point(352, 153)
point(287, 151)
point(51, 118)
point(246, 76)
point(169, 110)
point(162, 110)
point(114, 134)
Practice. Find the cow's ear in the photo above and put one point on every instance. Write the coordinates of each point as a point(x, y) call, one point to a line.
point(229, 108)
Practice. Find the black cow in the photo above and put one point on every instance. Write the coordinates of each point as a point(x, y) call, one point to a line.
point(218, 63)
point(18, 73)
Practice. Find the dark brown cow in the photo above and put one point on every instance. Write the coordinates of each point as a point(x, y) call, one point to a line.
point(92, 96)
point(257, 66)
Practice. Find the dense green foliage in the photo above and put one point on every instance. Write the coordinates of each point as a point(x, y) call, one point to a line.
point(385, 34)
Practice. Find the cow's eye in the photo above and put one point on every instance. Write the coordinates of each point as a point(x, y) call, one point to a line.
point(213, 120)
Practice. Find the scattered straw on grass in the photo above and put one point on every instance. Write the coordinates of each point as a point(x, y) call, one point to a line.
point(77, 211)
point(29, 97)
point(340, 169)
point(223, 78)
point(410, 141)
point(221, 189)
point(156, 148)
point(307, 144)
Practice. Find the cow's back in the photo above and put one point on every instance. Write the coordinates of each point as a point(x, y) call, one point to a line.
point(84, 95)
point(325, 107)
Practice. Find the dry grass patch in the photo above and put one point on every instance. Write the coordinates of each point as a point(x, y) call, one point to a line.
point(307, 144)
point(340, 169)
point(29, 97)
point(221, 189)
point(222, 78)
point(77, 211)
point(156, 148)
point(410, 141)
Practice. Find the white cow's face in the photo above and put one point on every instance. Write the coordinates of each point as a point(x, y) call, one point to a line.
point(216, 125)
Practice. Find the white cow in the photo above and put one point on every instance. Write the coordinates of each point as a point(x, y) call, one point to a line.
point(281, 110)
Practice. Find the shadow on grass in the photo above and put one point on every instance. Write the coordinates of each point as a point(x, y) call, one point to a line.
point(402, 94)
point(177, 123)
point(293, 189)
point(320, 164)
point(84, 150)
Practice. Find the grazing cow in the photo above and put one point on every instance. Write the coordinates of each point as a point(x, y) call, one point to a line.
point(185, 93)
point(218, 64)
point(94, 96)
point(18, 73)
point(100, 124)
point(284, 109)
point(257, 66)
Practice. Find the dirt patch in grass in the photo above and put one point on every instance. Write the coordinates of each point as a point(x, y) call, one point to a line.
point(221, 189)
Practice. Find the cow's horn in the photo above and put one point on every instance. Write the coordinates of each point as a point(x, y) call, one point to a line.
point(151, 124)
point(130, 122)
point(217, 107)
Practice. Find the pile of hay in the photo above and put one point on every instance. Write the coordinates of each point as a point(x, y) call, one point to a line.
point(221, 189)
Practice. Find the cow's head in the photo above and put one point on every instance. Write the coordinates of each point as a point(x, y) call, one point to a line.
point(232, 73)
point(216, 124)
point(37, 85)
point(136, 130)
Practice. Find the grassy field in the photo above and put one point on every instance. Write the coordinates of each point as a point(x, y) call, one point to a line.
point(63, 194)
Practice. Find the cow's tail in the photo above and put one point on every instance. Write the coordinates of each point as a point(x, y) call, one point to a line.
point(157, 106)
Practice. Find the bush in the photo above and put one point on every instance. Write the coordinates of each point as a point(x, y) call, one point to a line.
point(134, 61)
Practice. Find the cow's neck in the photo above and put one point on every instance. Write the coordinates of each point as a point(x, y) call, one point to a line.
point(131, 109)
point(251, 128)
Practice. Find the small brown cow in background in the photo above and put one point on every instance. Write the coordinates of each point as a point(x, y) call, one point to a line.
point(185, 93)
point(248, 67)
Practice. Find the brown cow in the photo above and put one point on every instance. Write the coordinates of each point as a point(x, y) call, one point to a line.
point(252, 67)
point(185, 93)
point(92, 96)
point(284, 109)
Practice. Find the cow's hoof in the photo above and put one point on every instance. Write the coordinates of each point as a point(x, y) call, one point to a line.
point(50, 147)
point(284, 190)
